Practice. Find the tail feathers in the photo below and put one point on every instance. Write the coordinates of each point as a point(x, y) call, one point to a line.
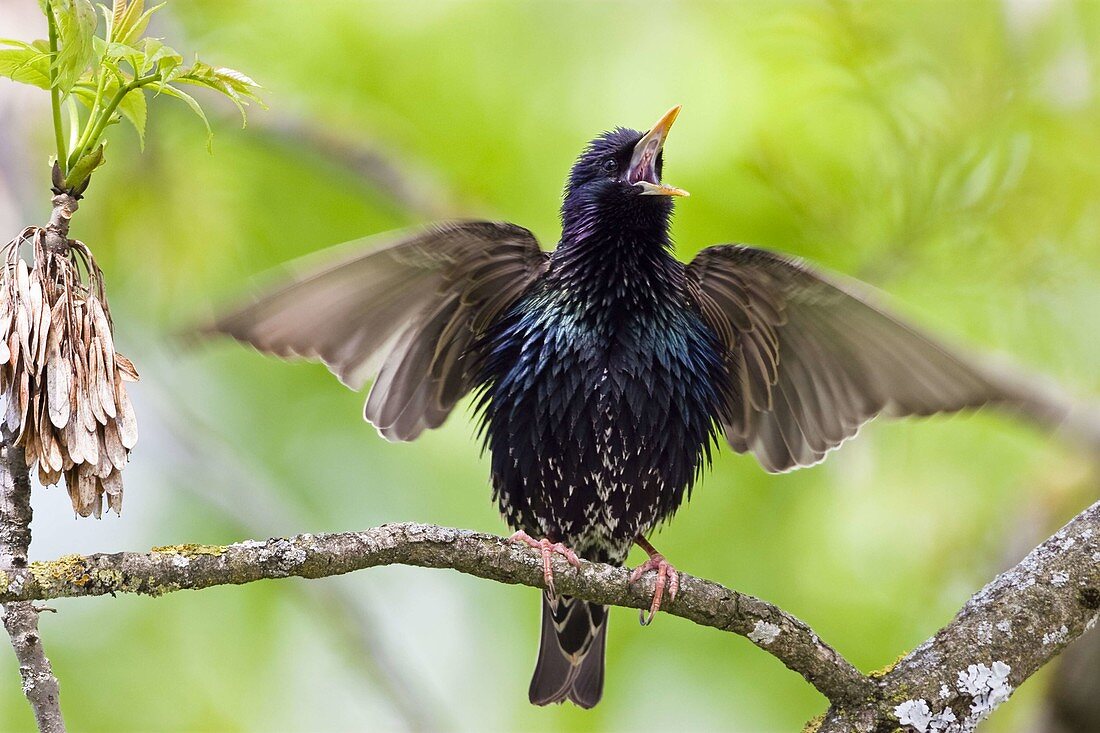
point(571, 652)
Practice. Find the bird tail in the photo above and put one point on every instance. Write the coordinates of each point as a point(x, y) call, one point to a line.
point(571, 651)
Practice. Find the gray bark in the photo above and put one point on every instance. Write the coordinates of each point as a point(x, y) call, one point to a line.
point(1004, 633)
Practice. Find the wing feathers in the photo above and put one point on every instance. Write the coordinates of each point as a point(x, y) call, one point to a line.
point(814, 358)
point(407, 308)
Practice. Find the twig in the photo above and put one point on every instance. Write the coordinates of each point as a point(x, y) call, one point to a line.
point(169, 569)
point(21, 618)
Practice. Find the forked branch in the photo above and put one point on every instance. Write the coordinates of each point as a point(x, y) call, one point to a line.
point(1009, 629)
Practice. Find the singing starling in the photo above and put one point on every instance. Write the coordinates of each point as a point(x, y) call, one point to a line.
point(605, 371)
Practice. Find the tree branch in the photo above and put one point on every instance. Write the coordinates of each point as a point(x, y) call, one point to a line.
point(168, 569)
point(21, 618)
point(1004, 633)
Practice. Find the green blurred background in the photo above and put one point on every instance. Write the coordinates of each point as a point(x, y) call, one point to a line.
point(947, 153)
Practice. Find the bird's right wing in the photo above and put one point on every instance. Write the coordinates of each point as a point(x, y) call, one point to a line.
point(406, 309)
point(812, 357)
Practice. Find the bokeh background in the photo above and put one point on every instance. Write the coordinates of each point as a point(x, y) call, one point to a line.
point(947, 153)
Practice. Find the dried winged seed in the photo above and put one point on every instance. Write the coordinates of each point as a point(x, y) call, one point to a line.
point(30, 448)
point(47, 477)
point(34, 318)
point(23, 331)
point(104, 467)
point(13, 349)
point(89, 446)
point(5, 326)
point(73, 448)
point(127, 422)
point(44, 335)
point(57, 388)
point(91, 383)
point(86, 490)
point(52, 454)
point(84, 409)
point(40, 423)
point(24, 400)
point(85, 420)
point(112, 442)
point(112, 484)
point(102, 327)
point(126, 368)
point(22, 281)
point(114, 498)
point(103, 379)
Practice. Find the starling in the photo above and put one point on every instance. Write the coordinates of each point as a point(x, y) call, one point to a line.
point(605, 371)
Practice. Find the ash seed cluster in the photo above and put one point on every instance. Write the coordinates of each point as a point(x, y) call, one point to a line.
point(62, 384)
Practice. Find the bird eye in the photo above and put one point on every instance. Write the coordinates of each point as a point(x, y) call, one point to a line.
point(610, 165)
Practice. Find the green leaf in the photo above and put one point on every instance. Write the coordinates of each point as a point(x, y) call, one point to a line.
point(172, 91)
point(125, 14)
point(130, 32)
point(133, 108)
point(118, 11)
point(229, 82)
point(165, 58)
point(125, 52)
point(76, 23)
point(26, 64)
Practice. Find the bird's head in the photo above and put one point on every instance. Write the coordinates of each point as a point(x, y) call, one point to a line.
point(619, 175)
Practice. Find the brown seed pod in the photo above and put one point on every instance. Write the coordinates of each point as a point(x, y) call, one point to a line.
point(62, 384)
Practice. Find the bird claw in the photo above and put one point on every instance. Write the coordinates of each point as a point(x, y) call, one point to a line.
point(547, 548)
point(666, 575)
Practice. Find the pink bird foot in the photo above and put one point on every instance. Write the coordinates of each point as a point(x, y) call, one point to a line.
point(547, 548)
point(666, 576)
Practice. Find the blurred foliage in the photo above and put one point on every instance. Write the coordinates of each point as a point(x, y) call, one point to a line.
point(947, 157)
point(109, 74)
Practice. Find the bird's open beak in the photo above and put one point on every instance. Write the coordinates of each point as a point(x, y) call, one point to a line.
point(643, 163)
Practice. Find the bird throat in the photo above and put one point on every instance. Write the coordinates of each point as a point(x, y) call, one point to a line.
point(617, 257)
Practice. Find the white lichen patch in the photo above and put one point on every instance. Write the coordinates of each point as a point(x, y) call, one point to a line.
point(985, 632)
point(764, 633)
point(987, 688)
point(914, 713)
point(1005, 627)
point(919, 717)
point(1056, 637)
point(1058, 579)
point(180, 561)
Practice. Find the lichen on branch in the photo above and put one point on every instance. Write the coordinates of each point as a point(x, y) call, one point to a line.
point(1021, 620)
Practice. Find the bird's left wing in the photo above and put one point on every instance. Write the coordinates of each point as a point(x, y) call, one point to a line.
point(811, 357)
point(406, 308)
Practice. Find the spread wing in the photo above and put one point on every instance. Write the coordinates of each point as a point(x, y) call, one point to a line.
point(811, 358)
point(406, 309)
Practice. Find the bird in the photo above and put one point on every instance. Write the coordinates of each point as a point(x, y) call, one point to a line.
point(606, 372)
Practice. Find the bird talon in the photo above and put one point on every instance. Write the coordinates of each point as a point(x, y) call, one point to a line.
point(547, 548)
point(667, 576)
